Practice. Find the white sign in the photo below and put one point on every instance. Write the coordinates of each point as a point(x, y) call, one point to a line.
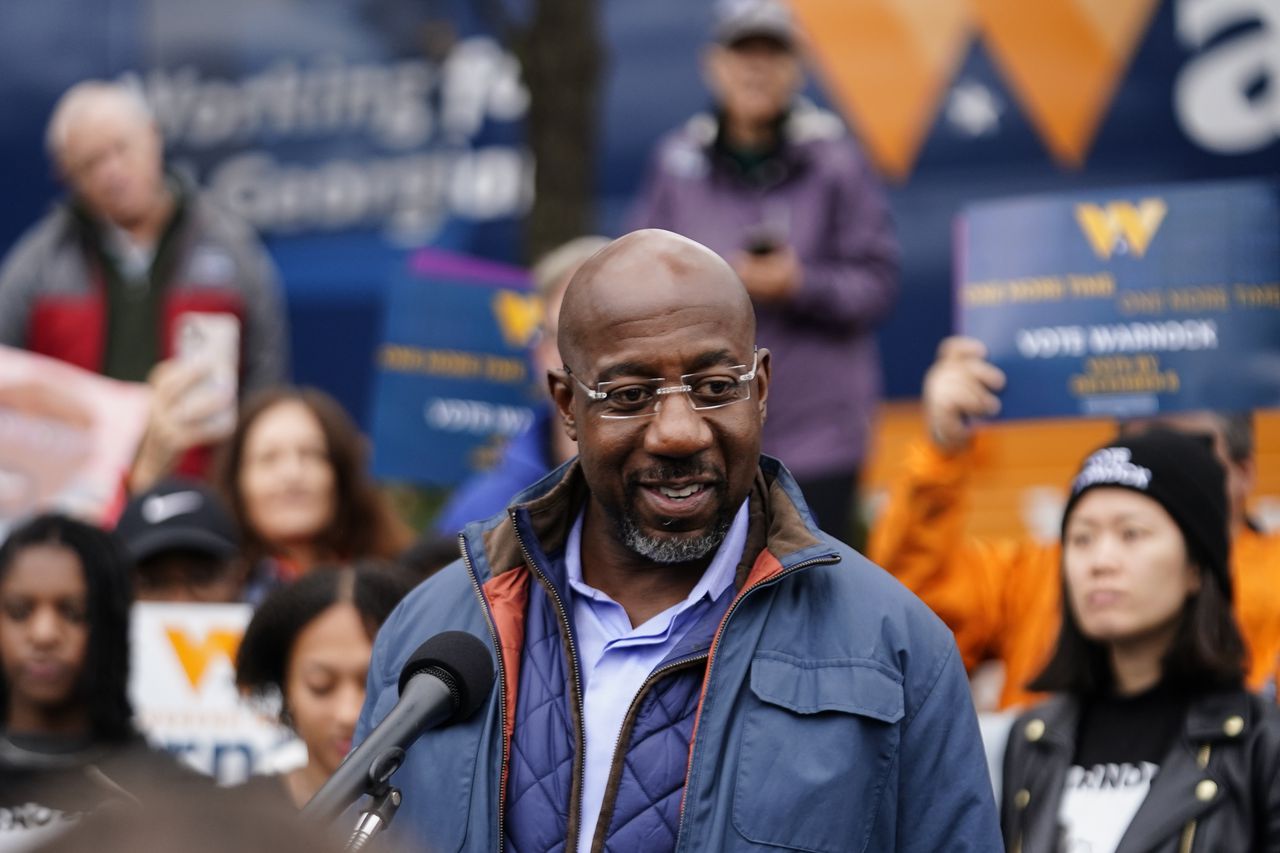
point(182, 684)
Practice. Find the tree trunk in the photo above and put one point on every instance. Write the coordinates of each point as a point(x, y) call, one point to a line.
point(560, 54)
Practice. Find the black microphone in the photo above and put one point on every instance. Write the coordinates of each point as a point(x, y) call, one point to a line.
point(446, 680)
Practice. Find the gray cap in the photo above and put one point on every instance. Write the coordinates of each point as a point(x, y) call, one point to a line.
point(736, 20)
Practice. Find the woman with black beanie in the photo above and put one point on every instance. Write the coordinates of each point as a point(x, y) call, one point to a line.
point(1152, 742)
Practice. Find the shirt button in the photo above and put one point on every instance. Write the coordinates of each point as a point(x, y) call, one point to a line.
point(1206, 790)
point(1233, 726)
point(1034, 730)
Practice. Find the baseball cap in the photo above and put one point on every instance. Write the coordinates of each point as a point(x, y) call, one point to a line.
point(178, 515)
point(736, 20)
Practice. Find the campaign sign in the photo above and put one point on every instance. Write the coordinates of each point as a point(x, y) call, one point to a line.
point(183, 687)
point(453, 377)
point(1127, 302)
point(66, 438)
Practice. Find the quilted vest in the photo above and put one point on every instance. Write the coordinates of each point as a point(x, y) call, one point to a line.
point(649, 780)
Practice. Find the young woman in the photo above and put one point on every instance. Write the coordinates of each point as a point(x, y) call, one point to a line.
point(67, 741)
point(1152, 743)
point(294, 475)
point(308, 645)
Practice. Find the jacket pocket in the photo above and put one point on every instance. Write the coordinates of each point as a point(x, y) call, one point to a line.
point(819, 742)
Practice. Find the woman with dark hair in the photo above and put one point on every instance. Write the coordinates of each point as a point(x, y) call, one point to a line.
point(1152, 743)
point(308, 647)
point(67, 740)
point(294, 474)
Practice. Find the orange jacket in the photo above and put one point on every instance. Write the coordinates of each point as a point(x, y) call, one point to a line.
point(1002, 598)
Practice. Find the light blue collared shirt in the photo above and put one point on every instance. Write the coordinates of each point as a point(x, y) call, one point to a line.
point(616, 658)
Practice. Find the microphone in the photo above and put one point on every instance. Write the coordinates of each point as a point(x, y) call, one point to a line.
point(446, 680)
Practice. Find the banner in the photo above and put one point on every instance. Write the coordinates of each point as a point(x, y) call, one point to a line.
point(67, 436)
point(346, 134)
point(1127, 302)
point(182, 684)
point(350, 132)
point(453, 377)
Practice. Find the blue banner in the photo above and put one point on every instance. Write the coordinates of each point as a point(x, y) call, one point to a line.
point(1127, 302)
point(351, 131)
point(453, 377)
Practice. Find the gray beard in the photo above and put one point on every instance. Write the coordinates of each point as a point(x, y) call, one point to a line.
point(673, 550)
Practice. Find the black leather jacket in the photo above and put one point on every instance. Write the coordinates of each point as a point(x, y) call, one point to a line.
point(1217, 791)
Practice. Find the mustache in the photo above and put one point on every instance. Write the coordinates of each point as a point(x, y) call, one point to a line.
point(676, 470)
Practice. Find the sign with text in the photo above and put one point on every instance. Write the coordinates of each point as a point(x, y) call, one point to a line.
point(183, 688)
point(453, 377)
point(66, 438)
point(1129, 302)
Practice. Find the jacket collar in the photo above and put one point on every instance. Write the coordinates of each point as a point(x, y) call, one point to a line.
point(1178, 794)
point(541, 516)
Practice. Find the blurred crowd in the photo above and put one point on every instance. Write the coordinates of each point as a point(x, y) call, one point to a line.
point(1140, 652)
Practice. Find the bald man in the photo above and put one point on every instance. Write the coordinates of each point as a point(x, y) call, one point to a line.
point(685, 661)
point(105, 280)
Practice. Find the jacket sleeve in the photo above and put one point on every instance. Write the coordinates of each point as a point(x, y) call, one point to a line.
point(1266, 781)
point(945, 798)
point(18, 280)
point(381, 688)
point(919, 538)
point(266, 331)
point(854, 283)
point(1011, 782)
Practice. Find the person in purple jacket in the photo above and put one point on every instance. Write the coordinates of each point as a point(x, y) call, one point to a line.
point(776, 187)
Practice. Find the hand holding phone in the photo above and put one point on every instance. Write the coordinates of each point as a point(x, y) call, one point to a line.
point(209, 343)
point(762, 240)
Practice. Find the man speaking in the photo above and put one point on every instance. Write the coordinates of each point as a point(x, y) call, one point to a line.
point(685, 661)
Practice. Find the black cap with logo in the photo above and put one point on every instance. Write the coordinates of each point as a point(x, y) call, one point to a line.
point(178, 515)
point(1181, 473)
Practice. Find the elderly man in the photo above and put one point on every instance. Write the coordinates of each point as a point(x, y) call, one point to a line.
point(777, 187)
point(106, 280)
point(685, 661)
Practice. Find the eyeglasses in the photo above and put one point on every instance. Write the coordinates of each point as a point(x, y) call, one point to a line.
point(641, 398)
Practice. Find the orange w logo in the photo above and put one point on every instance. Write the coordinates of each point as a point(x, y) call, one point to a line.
point(518, 316)
point(1121, 227)
point(196, 655)
point(889, 62)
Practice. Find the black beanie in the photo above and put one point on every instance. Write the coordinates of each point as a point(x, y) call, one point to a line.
point(1181, 473)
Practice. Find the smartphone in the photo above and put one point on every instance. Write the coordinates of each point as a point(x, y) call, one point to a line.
point(762, 240)
point(212, 341)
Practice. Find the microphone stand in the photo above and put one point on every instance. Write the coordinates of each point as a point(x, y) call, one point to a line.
point(385, 799)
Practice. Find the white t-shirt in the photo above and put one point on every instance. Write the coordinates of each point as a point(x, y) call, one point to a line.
point(1099, 802)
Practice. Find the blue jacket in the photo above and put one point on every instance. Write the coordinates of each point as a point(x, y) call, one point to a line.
point(834, 712)
point(524, 461)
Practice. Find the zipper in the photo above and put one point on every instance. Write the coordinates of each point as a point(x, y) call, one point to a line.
point(606, 808)
point(575, 823)
point(715, 643)
point(1188, 838)
point(502, 691)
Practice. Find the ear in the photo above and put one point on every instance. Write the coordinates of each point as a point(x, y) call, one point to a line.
point(1195, 578)
point(560, 387)
point(764, 371)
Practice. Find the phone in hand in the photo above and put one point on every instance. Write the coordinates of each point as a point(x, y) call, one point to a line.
point(211, 341)
point(762, 240)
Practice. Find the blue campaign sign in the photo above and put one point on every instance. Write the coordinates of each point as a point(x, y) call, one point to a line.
point(1127, 302)
point(453, 377)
